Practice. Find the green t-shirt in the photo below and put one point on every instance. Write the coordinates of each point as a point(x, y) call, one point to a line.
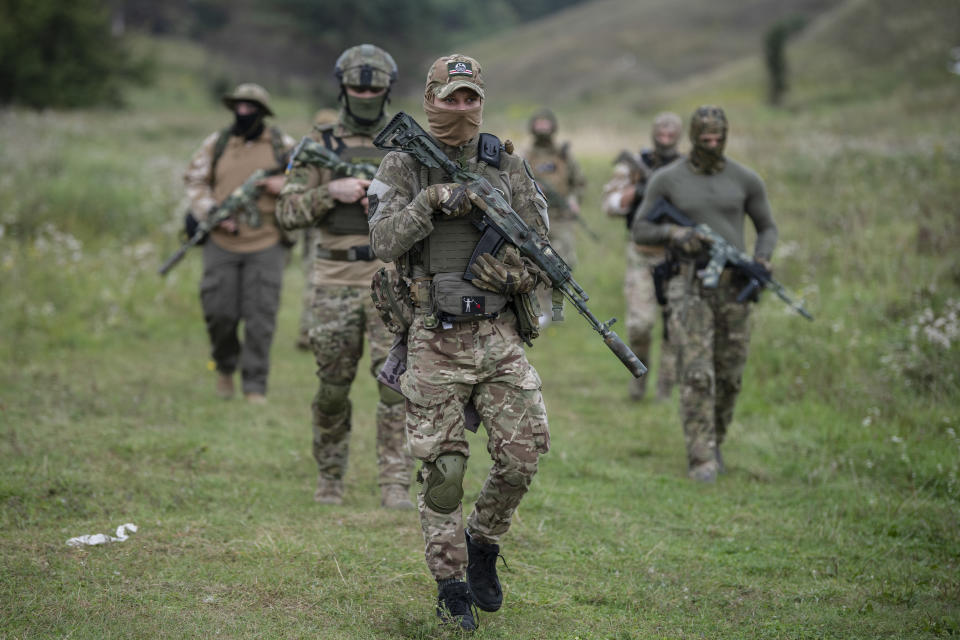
point(720, 201)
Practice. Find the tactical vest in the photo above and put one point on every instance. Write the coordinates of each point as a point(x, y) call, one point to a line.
point(552, 167)
point(445, 254)
point(348, 218)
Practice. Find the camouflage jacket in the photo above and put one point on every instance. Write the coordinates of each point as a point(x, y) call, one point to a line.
point(399, 219)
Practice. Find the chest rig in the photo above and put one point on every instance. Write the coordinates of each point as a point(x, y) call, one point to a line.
point(440, 261)
point(348, 218)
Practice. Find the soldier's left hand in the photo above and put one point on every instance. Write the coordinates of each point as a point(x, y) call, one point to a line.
point(272, 185)
point(573, 204)
point(509, 276)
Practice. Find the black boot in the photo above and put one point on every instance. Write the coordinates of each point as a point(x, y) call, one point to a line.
point(453, 604)
point(482, 574)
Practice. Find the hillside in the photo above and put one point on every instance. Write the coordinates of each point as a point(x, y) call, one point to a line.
point(603, 47)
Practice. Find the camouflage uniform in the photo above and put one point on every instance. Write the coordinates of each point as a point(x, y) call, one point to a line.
point(642, 309)
point(457, 361)
point(242, 271)
point(708, 327)
point(342, 310)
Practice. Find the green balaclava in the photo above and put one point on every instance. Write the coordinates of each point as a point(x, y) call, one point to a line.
point(541, 136)
point(364, 66)
point(707, 119)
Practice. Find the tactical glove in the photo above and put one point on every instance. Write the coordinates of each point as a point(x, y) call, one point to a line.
point(509, 276)
point(450, 198)
point(687, 240)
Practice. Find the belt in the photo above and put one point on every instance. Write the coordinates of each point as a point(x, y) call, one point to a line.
point(359, 253)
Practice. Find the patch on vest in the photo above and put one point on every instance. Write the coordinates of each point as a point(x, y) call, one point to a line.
point(546, 167)
point(472, 305)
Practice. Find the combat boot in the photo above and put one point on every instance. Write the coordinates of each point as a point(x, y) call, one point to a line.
point(453, 604)
point(482, 574)
point(225, 385)
point(255, 398)
point(395, 496)
point(704, 472)
point(329, 491)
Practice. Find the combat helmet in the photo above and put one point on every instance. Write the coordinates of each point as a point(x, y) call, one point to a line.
point(249, 92)
point(365, 65)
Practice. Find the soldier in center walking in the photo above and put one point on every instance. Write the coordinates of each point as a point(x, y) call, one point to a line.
point(464, 344)
point(342, 270)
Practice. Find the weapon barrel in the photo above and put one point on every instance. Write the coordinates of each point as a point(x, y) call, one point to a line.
point(172, 261)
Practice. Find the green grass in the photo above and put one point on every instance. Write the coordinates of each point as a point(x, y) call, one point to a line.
point(838, 517)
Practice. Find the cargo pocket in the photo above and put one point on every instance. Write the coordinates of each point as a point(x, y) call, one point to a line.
point(269, 285)
point(433, 420)
point(211, 294)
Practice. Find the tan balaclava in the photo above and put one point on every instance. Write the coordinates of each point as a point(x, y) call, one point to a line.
point(446, 75)
point(542, 135)
point(707, 119)
point(670, 123)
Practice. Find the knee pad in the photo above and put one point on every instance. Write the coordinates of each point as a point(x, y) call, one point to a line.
point(331, 399)
point(388, 396)
point(444, 487)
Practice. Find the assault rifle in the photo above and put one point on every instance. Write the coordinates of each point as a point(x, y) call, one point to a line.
point(722, 253)
point(555, 199)
point(243, 201)
point(499, 223)
point(309, 151)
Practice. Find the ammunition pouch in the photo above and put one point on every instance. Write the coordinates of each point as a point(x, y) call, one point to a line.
point(346, 219)
point(391, 297)
point(527, 308)
point(458, 300)
point(357, 253)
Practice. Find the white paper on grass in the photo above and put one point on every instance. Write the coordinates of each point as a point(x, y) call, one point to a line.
point(99, 538)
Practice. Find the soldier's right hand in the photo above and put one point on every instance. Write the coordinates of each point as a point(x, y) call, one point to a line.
point(449, 198)
point(687, 240)
point(348, 189)
point(228, 224)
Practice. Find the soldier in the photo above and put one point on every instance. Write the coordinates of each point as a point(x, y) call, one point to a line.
point(340, 279)
point(457, 354)
point(621, 197)
point(561, 179)
point(708, 326)
point(242, 264)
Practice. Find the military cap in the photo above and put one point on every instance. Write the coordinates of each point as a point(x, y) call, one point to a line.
point(453, 72)
point(249, 92)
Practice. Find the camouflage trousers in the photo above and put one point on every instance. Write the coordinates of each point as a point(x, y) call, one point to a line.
point(242, 286)
point(711, 332)
point(342, 315)
point(482, 361)
point(642, 312)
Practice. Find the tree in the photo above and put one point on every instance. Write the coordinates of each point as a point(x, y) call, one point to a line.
point(62, 54)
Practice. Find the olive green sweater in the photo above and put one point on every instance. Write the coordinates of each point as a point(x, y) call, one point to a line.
point(719, 201)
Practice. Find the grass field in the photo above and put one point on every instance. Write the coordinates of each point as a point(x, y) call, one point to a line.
point(839, 516)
